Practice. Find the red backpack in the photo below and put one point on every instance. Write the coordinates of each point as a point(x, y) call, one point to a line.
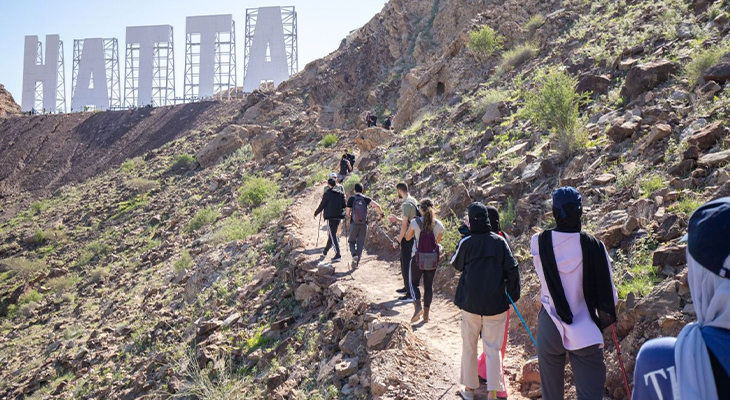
point(427, 252)
point(359, 210)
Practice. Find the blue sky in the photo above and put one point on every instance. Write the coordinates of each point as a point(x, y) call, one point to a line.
point(322, 26)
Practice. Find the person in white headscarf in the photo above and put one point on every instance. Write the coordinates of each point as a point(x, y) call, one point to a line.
point(696, 365)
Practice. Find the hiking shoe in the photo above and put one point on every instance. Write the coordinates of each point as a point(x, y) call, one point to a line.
point(355, 262)
point(418, 311)
point(466, 393)
point(406, 298)
point(425, 314)
point(402, 290)
point(324, 253)
point(337, 257)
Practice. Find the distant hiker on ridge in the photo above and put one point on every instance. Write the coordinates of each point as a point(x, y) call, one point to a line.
point(357, 214)
point(578, 301)
point(488, 273)
point(345, 168)
point(409, 210)
point(388, 123)
point(333, 204)
point(368, 120)
point(696, 365)
point(427, 231)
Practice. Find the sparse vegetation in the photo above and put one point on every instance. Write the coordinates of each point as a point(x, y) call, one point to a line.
point(204, 216)
point(518, 55)
point(93, 252)
point(328, 140)
point(218, 380)
point(534, 23)
point(507, 215)
point(686, 205)
point(651, 184)
point(182, 161)
point(702, 60)
point(484, 42)
point(98, 274)
point(350, 182)
point(235, 228)
point(554, 107)
point(184, 262)
point(141, 185)
point(485, 97)
point(131, 164)
point(634, 270)
point(25, 268)
point(255, 190)
point(627, 178)
point(61, 284)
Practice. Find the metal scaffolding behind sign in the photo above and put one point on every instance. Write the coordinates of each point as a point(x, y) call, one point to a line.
point(111, 67)
point(265, 48)
point(218, 62)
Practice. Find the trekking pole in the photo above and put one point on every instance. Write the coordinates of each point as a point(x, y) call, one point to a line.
point(620, 361)
point(385, 234)
point(319, 228)
point(522, 319)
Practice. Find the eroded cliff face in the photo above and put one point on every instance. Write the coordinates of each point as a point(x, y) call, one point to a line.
point(411, 55)
point(8, 106)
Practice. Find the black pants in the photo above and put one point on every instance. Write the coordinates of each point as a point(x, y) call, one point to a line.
point(428, 276)
point(406, 247)
point(332, 239)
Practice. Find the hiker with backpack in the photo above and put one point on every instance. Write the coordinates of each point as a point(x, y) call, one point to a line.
point(333, 206)
point(578, 300)
point(696, 365)
point(357, 214)
point(350, 158)
point(334, 176)
point(409, 210)
point(368, 120)
point(388, 123)
point(427, 231)
point(488, 273)
point(345, 168)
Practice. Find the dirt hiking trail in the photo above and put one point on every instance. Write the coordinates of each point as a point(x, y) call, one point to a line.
point(378, 276)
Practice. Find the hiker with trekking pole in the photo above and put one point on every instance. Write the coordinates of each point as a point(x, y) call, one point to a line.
point(696, 365)
point(578, 300)
point(409, 210)
point(333, 207)
point(427, 231)
point(357, 214)
point(489, 279)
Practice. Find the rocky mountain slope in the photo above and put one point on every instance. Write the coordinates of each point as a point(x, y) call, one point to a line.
point(182, 265)
point(8, 106)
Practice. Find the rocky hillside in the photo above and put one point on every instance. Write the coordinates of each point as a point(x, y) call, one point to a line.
point(8, 106)
point(178, 266)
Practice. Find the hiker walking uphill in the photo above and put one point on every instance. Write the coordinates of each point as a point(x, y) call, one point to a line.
point(345, 168)
point(427, 231)
point(337, 185)
point(409, 210)
point(696, 365)
point(578, 301)
point(333, 205)
point(488, 274)
point(357, 214)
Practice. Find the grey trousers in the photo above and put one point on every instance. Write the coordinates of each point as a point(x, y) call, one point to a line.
point(589, 368)
point(356, 238)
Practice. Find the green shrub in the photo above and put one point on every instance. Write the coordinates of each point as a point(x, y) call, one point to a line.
point(328, 140)
point(518, 55)
point(182, 161)
point(25, 268)
point(633, 268)
point(534, 23)
point(98, 274)
point(240, 156)
point(319, 175)
point(702, 60)
point(255, 190)
point(131, 164)
point(651, 184)
point(218, 380)
point(204, 216)
point(269, 211)
point(507, 215)
point(39, 206)
point(484, 42)
point(93, 251)
point(554, 106)
point(628, 178)
point(61, 284)
point(141, 185)
point(485, 97)
point(350, 183)
point(686, 205)
point(184, 262)
point(235, 228)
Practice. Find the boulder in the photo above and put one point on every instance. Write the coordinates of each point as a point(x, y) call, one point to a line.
point(224, 144)
point(658, 132)
point(707, 136)
point(530, 372)
point(692, 153)
point(378, 332)
point(495, 112)
point(715, 159)
point(669, 229)
point(353, 344)
point(346, 367)
point(367, 161)
point(305, 293)
point(670, 255)
point(631, 224)
point(371, 138)
point(710, 88)
point(719, 73)
point(683, 168)
point(646, 76)
point(663, 299)
point(276, 378)
point(458, 199)
point(264, 144)
point(622, 130)
point(604, 179)
point(595, 84)
point(613, 236)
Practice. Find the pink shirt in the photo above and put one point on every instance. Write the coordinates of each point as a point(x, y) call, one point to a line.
point(583, 332)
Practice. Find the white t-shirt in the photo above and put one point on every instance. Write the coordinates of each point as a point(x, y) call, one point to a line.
point(438, 228)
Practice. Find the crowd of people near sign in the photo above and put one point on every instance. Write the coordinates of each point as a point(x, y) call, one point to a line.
point(577, 294)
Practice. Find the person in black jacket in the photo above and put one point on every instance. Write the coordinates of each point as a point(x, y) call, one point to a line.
point(488, 271)
point(333, 205)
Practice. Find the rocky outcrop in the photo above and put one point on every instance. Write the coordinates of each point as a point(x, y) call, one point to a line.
point(224, 144)
point(8, 106)
point(647, 76)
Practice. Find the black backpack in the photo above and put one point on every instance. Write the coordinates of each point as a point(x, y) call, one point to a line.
point(359, 210)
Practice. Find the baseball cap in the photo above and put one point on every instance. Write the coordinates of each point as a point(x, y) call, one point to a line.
point(333, 176)
point(707, 236)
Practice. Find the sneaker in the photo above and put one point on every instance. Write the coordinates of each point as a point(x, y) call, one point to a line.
point(402, 290)
point(406, 298)
point(425, 314)
point(418, 311)
point(355, 262)
point(337, 257)
point(324, 253)
point(466, 393)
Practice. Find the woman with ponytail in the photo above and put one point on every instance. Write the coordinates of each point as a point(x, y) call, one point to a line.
point(427, 231)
